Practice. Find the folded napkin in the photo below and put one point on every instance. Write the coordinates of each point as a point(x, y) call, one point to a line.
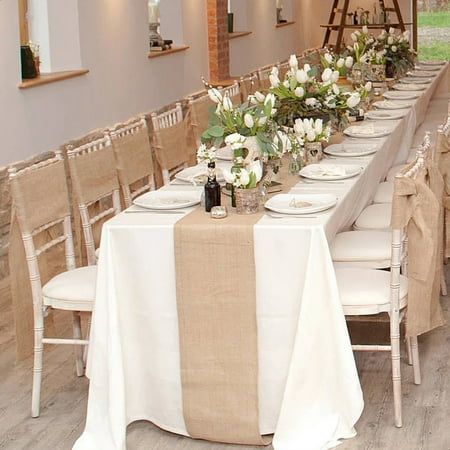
point(327, 170)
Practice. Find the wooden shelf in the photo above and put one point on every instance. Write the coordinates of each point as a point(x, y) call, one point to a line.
point(238, 34)
point(285, 24)
point(370, 26)
point(174, 49)
point(46, 78)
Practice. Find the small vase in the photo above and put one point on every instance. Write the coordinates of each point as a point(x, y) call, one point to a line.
point(313, 152)
point(252, 146)
point(390, 70)
point(377, 72)
point(271, 168)
point(247, 201)
point(357, 75)
point(295, 164)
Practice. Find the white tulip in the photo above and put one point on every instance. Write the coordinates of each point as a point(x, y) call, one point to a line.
point(293, 62)
point(227, 103)
point(299, 92)
point(365, 30)
point(354, 37)
point(306, 67)
point(262, 120)
point(229, 176)
point(244, 177)
point(357, 32)
point(260, 97)
point(256, 168)
point(326, 74)
point(340, 63)
point(328, 58)
point(336, 89)
point(298, 127)
point(355, 47)
point(334, 76)
point(394, 48)
point(368, 86)
point(350, 48)
point(286, 83)
point(311, 135)
point(248, 120)
point(234, 138)
point(391, 30)
point(301, 76)
point(311, 101)
point(215, 95)
point(349, 62)
point(274, 71)
point(390, 40)
point(353, 100)
point(274, 80)
point(270, 100)
point(318, 126)
point(252, 100)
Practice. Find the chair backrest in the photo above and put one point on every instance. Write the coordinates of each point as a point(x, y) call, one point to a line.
point(41, 207)
point(200, 109)
point(234, 92)
point(249, 85)
point(96, 187)
point(133, 153)
point(170, 141)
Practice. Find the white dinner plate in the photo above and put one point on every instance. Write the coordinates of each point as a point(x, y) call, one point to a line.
point(198, 175)
point(400, 95)
point(168, 199)
point(416, 80)
point(330, 172)
point(409, 87)
point(386, 114)
point(392, 104)
point(432, 63)
point(422, 73)
point(297, 204)
point(371, 130)
point(225, 153)
point(429, 68)
point(350, 150)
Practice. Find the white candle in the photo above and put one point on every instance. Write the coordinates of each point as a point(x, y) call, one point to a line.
point(229, 6)
point(153, 12)
point(280, 4)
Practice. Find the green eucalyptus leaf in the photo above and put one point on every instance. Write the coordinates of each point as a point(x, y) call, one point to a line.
point(216, 131)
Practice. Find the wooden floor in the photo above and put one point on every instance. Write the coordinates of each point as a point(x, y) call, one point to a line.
point(64, 398)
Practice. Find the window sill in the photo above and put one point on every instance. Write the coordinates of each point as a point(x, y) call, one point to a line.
point(284, 24)
point(238, 34)
point(174, 49)
point(46, 78)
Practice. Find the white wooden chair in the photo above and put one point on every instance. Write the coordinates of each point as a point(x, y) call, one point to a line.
point(201, 108)
point(248, 84)
point(94, 178)
point(170, 141)
point(367, 292)
point(234, 92)
point(41, 204)
point(134, 160)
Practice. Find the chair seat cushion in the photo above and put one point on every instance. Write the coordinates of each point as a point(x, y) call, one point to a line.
point(371, 249)
point(375, 217)
point(385, 192)
point(394, 171)
point(367, 291)
point(72, 290)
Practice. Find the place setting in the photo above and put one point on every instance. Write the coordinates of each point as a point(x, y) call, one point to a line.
point(368, 131)
point(392, 104)
point(349, 150)
point(386, 114)
point(401, 95)
point(422, 73)
point(408, 87)
point(415, 80)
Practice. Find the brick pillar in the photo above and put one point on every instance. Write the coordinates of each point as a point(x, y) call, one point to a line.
point(219, 51)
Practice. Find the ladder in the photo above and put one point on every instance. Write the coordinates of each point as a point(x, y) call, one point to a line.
point(341, 26)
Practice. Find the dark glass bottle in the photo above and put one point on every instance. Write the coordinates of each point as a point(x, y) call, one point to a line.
point(212, 188)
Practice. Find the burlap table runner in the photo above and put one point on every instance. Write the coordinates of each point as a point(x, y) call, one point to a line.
point(417, 207)
point(444, 167)
point(216, 297)
point(42, 196)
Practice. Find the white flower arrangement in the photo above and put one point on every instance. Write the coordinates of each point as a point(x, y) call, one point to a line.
point(310, 130)
point(246, 177)
point(205, 154)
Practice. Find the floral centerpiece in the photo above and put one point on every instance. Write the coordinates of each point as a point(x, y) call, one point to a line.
point(312, 133)
point(338, 63)
point(363, 42)
point(400, 57)
point(302, 95)
point(377, 64)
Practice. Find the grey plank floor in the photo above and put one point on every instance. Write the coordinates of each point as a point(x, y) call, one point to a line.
point(64, 399)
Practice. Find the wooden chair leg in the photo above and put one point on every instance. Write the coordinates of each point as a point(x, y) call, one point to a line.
point(37, 371)
point(396, 375)
point(86, 347)
point(443, 284)
point(409, 351)
point(415, 359)
point(78, 350)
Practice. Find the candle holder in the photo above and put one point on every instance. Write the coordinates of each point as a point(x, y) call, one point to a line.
point(230, 22)
point(155, 39)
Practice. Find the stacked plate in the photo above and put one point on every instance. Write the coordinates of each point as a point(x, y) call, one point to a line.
point(422, 73)
point(298, 204)
point(167, 200)
point(409, 87)
point(432, 63)
point(392, 104)
point(372, 130)
point(330, 172)
point(428, 67)
point(348, 150)
point(400, 95)
point(416, 80)
point(386, 114)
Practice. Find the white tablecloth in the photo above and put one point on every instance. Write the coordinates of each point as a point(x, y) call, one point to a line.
point(309, 391)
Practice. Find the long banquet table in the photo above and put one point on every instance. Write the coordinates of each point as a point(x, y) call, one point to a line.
point(309, 391)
